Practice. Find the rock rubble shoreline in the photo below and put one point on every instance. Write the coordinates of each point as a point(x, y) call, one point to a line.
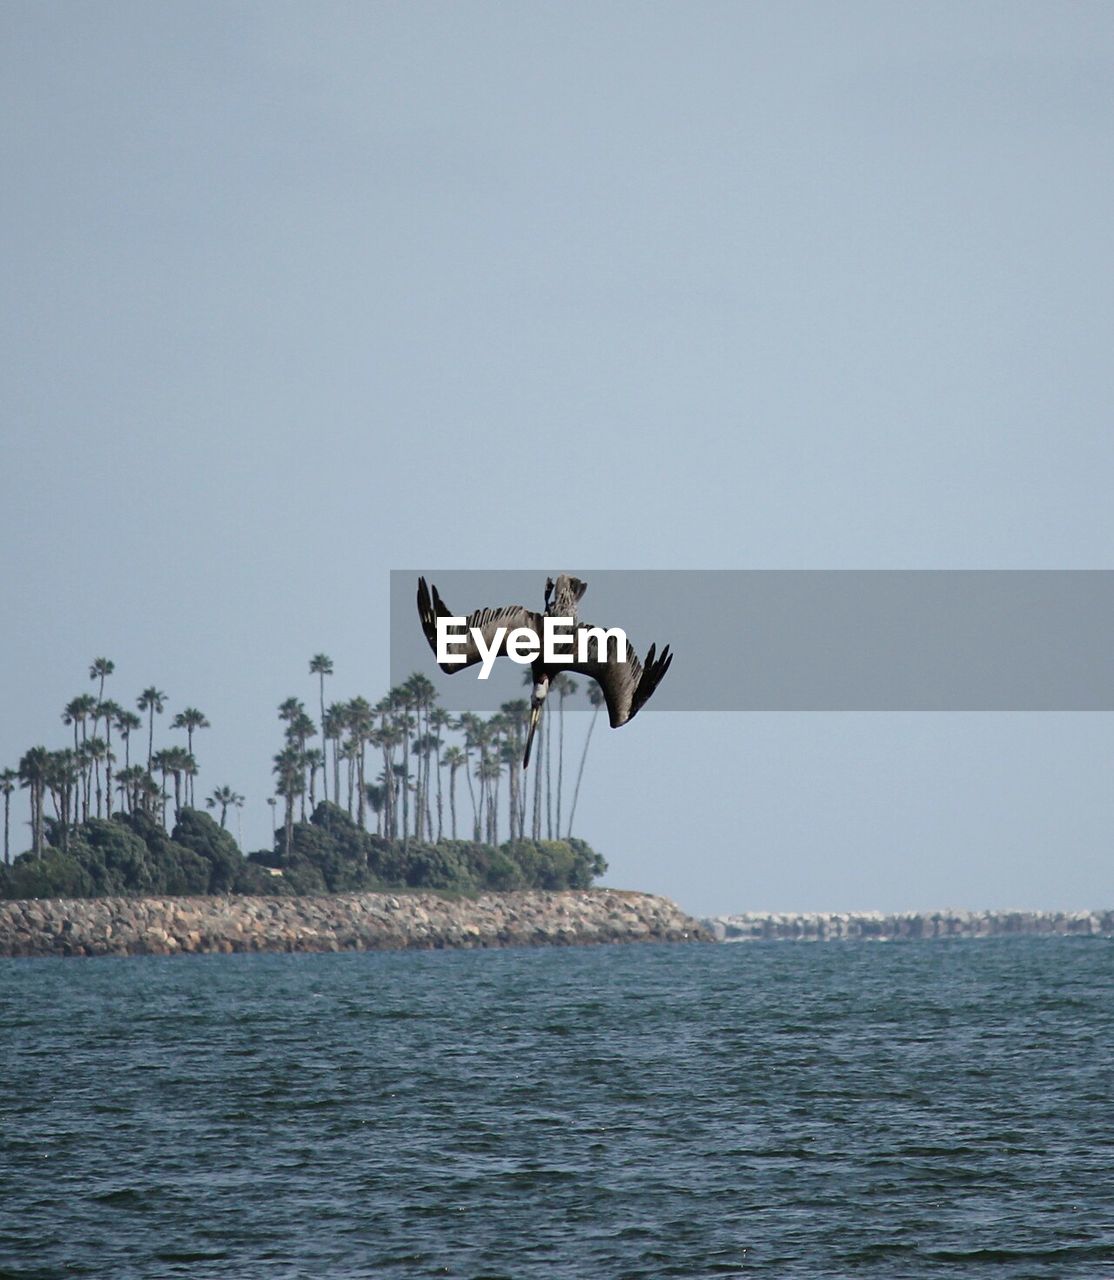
point(340, 922)
point(822, 926)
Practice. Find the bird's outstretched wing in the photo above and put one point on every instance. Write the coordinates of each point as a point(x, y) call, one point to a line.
point(626, 685)
point(431, 607)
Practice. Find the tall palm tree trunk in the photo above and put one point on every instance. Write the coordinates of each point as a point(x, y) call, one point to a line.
point(324, 742)
point(406, 785)
point(451, 799)
point(560, 759)
point(65, 815)
point(440, 801)
point(580, 771)
point(536, 825)
point(471, 791)
point(108, 767)
point(548, 779)
point(495, 810)
point(37, 818)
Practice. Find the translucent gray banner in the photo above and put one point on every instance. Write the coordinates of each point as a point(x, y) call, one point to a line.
point(804, 640)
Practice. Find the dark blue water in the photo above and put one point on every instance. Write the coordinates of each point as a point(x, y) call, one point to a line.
point(903, 1110)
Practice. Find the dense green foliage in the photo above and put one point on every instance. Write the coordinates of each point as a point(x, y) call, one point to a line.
point(131, 854)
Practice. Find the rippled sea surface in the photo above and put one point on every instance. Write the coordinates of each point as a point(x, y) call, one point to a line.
point(851, 1109)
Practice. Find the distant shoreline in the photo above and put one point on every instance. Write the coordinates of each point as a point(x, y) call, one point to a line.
point(39, 927)
point(825, 926)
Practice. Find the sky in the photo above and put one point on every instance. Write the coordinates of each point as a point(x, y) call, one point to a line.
point(300, 293)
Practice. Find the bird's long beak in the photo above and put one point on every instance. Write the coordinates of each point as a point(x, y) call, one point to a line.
point(535, 716)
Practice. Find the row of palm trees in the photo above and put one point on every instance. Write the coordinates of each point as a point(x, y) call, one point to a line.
point(79, 781)
point(400, 758)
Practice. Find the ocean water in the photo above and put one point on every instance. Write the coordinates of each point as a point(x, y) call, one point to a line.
point(894, 1110)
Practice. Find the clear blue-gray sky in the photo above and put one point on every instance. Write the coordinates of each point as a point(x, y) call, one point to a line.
point(297, 293)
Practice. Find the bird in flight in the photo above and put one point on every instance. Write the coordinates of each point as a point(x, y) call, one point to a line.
point(626, 684)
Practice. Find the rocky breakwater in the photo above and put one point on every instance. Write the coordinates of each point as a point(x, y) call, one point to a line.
point(823, 926)
point(342, 922)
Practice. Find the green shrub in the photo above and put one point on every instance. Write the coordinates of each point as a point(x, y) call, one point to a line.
point(199, 833)
point(54, 875)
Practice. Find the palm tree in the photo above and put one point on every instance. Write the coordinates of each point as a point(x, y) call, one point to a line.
point(151, 700)
point(98, 669)
point(84, 757)
point(439, 720)
point(148, 794)
point(422, 694)
point(348, 754)
point(163, 762)
point(179, 763)
point(486, 737)
point(454, 759)
point(402, 702)
point(8, 779)
point(360, 726)
point(291, 781)
point(377, 799)
point(299, 730)
point(189, 772)
point(314, 759)
point(126, 724)
point(595, 697)
point(387, 737)
point(224, 798)
point(108, 712)
point(190, 719)
point(472, 727)
point(77, 711)
point(33, 768)
point(129, 782)
point(515, 716)
point(291, 708)
point(321, 665)
point(422, 750)
point(565, 686)
point(490, 770)
point(96, 750)
point(332, 730)
point(272, 802)
point(61, 778)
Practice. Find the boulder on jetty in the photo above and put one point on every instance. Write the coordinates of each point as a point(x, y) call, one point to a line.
point(823, 926)
point(338, 922)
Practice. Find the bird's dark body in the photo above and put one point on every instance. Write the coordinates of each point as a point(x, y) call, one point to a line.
point(626, 685)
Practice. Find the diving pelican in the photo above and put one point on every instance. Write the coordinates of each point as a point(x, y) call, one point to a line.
point(626, 685)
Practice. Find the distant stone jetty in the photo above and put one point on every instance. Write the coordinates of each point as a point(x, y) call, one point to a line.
point(823, 926)
point(341, 922)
